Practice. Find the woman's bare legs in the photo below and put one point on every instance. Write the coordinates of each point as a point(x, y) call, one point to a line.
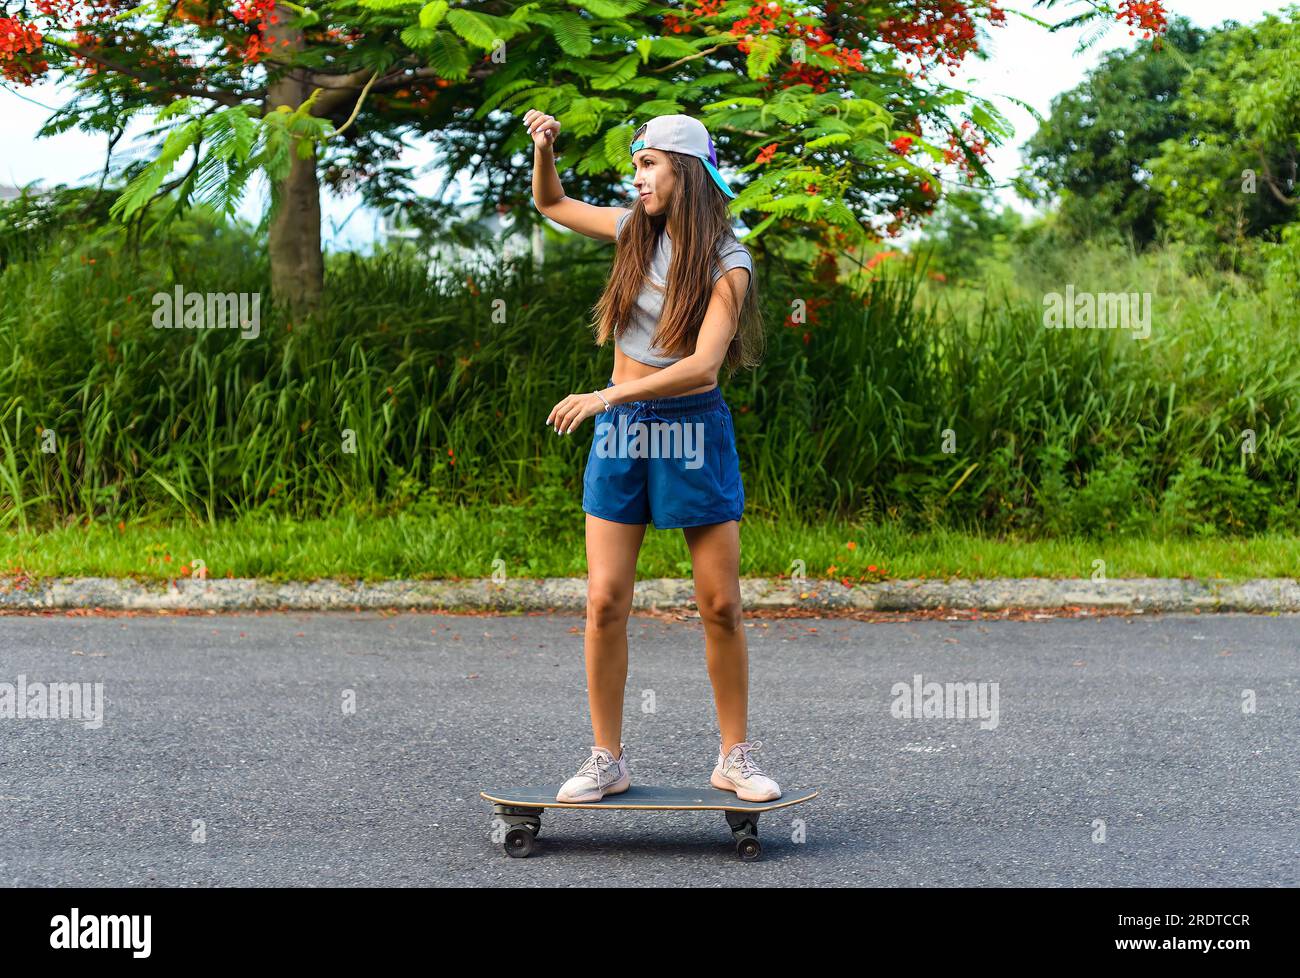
point(715, 561)
point(612, 550)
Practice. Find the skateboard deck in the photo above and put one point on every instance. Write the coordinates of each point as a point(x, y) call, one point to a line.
point(519, 811)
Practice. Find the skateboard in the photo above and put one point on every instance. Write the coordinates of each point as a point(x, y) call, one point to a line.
point(519, 810)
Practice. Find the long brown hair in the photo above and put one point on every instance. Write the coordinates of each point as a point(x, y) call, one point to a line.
point(697, 214)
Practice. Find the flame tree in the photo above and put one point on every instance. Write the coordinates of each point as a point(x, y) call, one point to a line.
point(844, 117)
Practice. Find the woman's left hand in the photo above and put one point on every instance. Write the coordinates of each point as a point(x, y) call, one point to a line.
point(573, 410)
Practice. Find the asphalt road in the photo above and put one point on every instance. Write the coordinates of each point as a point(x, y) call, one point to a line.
point(1122, 754)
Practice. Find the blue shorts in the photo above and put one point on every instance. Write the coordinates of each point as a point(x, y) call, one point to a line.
point(670, 460)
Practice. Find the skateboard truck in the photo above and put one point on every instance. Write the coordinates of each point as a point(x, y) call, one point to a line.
point(523, 827)
point(744, 826)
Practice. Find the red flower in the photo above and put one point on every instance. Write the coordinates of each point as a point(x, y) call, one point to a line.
point(18, 42)
point(769, 18)
point(1148, 16)
point(766, 154)
point(942, 30)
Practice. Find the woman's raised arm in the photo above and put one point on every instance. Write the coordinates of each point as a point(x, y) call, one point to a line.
point(548, 193)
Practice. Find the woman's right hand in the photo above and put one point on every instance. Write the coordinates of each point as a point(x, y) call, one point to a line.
point(544, 129)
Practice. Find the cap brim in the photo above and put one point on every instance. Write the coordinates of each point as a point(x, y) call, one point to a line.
point(717, 178)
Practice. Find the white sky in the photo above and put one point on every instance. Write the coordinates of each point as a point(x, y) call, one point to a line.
point(1027, 63)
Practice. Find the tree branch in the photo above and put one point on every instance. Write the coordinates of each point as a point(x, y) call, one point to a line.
point(690, 57)
point(225, 98)
point(116, 134)
point(337, 87)
point(316, 79)
point(357, 108)
point(1271, 183)
point(395, 79)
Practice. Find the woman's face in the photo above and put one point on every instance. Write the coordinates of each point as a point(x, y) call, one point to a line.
point(654, 180)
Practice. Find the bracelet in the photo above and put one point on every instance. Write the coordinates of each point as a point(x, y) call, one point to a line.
point(602, 400)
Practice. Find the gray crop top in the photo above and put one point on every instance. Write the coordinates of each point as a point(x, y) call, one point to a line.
point(634, 338)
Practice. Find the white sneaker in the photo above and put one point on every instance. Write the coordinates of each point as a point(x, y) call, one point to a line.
point(600, 775)
point(739, 773)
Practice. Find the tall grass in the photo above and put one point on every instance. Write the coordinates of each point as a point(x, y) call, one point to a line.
point(899, 402)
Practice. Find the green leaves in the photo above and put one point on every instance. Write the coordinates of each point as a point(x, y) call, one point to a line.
point(620, 73)
point(483, 30)
point(230, 146)
point(447, 56)
point(306, 16)
point(419, 38)
point(833, 139)
point(618, 142)
point(431, 14)
point(140, 191)
point(572, 34)
point(763, 52)
point(502, 93)
point(987, 117)
point(609, 8)
point(736, 101)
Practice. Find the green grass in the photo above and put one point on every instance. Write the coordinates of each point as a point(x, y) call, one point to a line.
point(462, 543)
point(890, 404)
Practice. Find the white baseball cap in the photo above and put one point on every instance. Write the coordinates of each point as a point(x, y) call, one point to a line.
point(681, 134)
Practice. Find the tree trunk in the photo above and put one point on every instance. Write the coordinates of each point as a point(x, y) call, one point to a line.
point(297, 266)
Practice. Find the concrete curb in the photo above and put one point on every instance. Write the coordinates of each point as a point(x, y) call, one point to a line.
point(570, 594)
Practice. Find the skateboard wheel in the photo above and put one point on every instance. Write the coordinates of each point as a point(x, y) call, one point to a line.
point(520, 842)
point(748, 848)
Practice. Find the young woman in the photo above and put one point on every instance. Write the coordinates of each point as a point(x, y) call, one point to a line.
point(680, 304)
